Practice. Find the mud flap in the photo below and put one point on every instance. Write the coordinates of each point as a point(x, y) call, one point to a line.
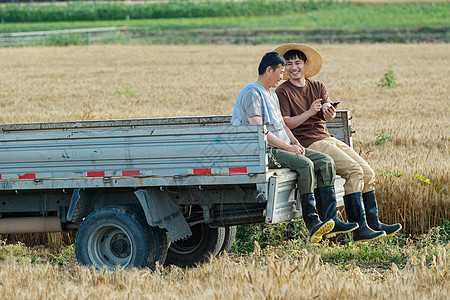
point(162, 212)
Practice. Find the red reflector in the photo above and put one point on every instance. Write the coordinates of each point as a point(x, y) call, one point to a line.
point(202, 171)
point(96, 174)
point(238, 170)
point(130, 173)
point(28, 176)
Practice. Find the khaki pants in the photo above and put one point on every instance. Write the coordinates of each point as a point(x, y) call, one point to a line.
point(313, 167)
point(356, 171)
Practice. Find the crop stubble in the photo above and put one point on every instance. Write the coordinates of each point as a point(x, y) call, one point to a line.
point(303, 277)
point(113, 82)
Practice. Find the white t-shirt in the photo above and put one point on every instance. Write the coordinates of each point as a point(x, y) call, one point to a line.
point(251, 105)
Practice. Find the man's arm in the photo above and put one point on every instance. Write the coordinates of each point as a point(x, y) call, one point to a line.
point(292, 138)
point(274, 141)
point(329, 112)
point(295, 121)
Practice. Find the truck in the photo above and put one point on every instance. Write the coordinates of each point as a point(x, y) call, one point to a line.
point(142, 192)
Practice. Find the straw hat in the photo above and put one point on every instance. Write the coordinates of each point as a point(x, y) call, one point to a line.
point(312, 55)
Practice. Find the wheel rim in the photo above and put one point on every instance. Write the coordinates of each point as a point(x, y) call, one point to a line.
point(110, 246)
point(192, 243)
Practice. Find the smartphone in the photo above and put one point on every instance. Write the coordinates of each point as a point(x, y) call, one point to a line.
point(335, 103)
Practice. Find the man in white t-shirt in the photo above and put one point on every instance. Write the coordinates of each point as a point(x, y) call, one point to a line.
point(257, 104)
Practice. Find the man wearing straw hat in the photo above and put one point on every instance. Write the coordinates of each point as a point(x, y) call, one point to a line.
point(306, 107)
point(257, 104)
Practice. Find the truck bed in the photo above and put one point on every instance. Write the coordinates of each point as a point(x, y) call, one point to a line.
point(148, 152)
point(138, 153)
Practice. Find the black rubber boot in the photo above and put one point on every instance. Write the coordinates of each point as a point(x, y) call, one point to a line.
point(316, 227)
point(356, 213)
point(370, 205)
point(326, 206)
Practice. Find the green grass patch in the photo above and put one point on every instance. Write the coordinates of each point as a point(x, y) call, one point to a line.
point(76, 11)
point(20, 252)
point(345, 16)
point(289, 240)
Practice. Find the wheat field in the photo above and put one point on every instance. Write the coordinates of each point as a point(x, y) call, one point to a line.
point(115, 82)
point(302, 276)
point(112, 82)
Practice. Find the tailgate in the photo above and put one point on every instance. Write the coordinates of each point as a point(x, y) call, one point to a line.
point(282, 204)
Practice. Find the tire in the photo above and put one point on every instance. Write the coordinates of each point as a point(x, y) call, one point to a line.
point(204, 243)
point(162, 244)
point(113, 237)
point(160, 237)
point(230, 236)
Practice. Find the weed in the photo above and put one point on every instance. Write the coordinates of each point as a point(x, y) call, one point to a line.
point(384, 173)
point(397, 174)
point(34, 257)
point(382, 139)
point(128, 92)
point(265, 235)
point(388, 80)
point(421, 179)
point(444, 231)
point(66, 255)
point(16, 250)
point(53, 259)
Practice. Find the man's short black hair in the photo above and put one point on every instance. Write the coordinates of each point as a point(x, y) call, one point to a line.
point(293, 54)
point(270, 59)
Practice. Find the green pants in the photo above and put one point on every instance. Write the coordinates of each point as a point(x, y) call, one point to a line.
point(313, 167)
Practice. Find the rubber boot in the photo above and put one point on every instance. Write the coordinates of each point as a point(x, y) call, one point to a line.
point(316, 227)
point(356, 213)
point(326, 206)
point(370, 205)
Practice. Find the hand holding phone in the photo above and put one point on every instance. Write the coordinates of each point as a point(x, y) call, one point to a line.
point(330, 113)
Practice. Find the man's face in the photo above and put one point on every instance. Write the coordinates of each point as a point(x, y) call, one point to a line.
point(276, 75)
point(295, 68)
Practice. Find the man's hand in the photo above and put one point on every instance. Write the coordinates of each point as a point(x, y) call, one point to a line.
point(329, 112)
point(315, 107)
point(296, 149)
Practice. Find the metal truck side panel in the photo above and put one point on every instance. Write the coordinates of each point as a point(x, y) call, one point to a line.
point(282, 201)
point(341, 127)
point(78, 159)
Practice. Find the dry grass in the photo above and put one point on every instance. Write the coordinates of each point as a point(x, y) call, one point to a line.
point(256, 277)
point(302, 276)
point(108, 82)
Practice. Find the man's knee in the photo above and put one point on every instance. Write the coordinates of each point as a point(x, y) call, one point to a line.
point(294, 161)
point(369, 176)
point(304, 163)
point(355, 170)
point(327, 159)
point(301, 164)
point(325, 163)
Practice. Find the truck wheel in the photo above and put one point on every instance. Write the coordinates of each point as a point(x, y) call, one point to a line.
point(204, 242)
point(162, 244)
point(160, 236)
point(114, 236)
point(230, 236)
